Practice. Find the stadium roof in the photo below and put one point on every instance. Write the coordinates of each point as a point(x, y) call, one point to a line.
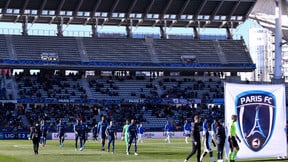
point(265, 15)
point(176, 13)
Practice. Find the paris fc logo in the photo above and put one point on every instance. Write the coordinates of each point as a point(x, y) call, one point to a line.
point(256, 115)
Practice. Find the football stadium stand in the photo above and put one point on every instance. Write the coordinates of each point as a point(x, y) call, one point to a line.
point(150, 79)
point(147, 99)
point(118, 50)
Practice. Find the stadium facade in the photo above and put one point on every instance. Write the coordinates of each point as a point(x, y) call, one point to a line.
point(261, 50)
point(273, 18)
point(261, 46)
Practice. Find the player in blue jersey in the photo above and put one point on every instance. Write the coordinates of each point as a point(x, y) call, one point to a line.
point(168, 131)
point(187, 130)
point(44, 133)
point(94, 132)
point(77, 129)
point(61, 132)
point(140, 132)
point(132, 133)
point(213, 128)
point(204, 127)
point(111, 133)
point(102, 125)
point(83, 135)
point(208, 140)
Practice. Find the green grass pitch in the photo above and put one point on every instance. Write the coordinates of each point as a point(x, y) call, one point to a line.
point(152, 150)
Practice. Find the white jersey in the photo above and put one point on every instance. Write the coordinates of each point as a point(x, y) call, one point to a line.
point(207, 140)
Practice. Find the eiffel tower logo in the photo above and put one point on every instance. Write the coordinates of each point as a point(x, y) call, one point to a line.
point(256, 119)
point(257, 127)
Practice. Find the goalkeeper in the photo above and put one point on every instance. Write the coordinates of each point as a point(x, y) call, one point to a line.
point(125, 135)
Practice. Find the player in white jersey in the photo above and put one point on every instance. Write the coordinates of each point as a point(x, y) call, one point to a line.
point(187, 131)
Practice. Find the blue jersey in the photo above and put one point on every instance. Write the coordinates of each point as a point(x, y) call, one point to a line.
point(140, 130)
point(77, 129)
point(111, 130)
point(213, 127)
point(44, 129)
point(94, 130)
point(187, 126)
point(168, 127)
point(83, 128)
point(205, 126)
point(132, 130)
point(60, 128)
point(102, 125)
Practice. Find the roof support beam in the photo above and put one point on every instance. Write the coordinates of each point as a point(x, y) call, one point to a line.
point(223, 24)
point(94, 28)
point(166, 9)
point(183, 8)
point(129, 29)
point(77, 7)
point(17, 18)
point(196, 33)
point(42, 7)
point(163, 34)
point(121, 22)
point(131, 8)
point(113, 7)
point(6, 5)
point(60, 7)
point(87, 20)
point(139, 22)
point(24, 26)
point(206, 24)
point(149, 7)
point(216, 10)
point(200, 9)
point(172, 23)
point(229, 34)
point(105, 20)
point(155, 23)
point(189, 23)
point(95, 8)
point(24, 7)
point(52, 19)
point(233, 10)
point(70, 20)
point(35, 19)
point(60, 27)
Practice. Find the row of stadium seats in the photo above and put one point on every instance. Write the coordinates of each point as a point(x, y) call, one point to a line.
point(153, 116)
point(235, 57)
point(17, 47)
point(37, 86)
point(75, 87)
